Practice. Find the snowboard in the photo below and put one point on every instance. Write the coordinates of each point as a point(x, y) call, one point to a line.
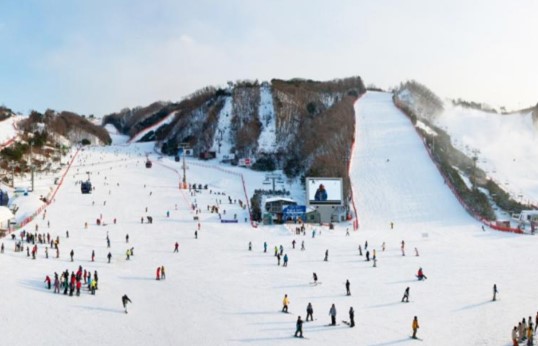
point(347, 323)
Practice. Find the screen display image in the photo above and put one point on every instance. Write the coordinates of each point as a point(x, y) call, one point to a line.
point(324, 191)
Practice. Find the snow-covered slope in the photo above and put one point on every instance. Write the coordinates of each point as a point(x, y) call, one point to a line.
point(222, 143)
point(266, 111)
point(219, 293)
point(506, 147)
point(8, 130)
point(167, 120)
point(401, 183)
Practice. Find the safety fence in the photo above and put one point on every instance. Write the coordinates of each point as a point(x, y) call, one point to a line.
point(356, 220)
point(50, 198)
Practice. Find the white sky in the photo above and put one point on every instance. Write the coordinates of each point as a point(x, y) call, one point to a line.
point(100, 56)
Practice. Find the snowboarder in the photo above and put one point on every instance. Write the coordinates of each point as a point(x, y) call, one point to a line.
point(309, 312)
point(348, 292)
point(495, 292)
point(420, 274)
point(326, 259)
point(176, 247)
point(125, 300)
point(405, 297)
point(299, 327)
point(332, 313)
point(351, 317)
point(285, 303)
point(109, 256)
point(415, 327)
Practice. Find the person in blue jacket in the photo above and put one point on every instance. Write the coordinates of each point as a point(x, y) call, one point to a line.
point(321, 193)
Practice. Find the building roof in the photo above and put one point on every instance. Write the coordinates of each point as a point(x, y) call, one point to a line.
point(275, 199)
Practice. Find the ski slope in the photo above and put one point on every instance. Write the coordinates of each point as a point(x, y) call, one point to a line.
point(506, 147)
point(219, 293)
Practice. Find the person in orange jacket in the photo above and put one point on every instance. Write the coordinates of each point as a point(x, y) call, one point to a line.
point(415, 327)
point(285, 303)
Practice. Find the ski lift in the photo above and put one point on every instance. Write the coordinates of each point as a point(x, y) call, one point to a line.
point(148, 164)
point(86, 187)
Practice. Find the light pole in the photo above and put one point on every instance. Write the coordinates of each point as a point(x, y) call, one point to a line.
point(184, 147)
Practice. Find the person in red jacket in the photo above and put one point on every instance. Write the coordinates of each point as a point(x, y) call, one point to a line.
point(47, 280)
point(420, 274)
point(176, 247)
point(79, 285)
point(158, 273)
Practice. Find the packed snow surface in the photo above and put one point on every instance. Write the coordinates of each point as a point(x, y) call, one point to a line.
point(218, 293)
point(266, 111)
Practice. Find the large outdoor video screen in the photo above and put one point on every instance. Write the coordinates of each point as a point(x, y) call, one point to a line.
point(324, 191)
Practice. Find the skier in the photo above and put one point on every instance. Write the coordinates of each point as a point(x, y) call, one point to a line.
point(416, 252)
point(285, 303)
point(302, 246)
point(176, 247)
point(326, 255)
point(366, 245)
point(293, 243)
point(347, 231)
point(158, 273)
point(405, 297)
point(47, 280)
point(195, 234)
point(2, 248)
point(351, 317)
point(332, 313)
point(249, 246)
point(403, 248)
point(348, 292)
point(93, 255)
point(360, 250)
point(415, 327)
point(163, 274)
point(72, 253)
point(125, 300)
point(495, 292)
point(128, 254)
point(530, 334)
point(383, 246)
point(391, 225)
point(285, 260)
point(281, 250)
point(420, 274)
point(309, 312)
point(278, 258)
point(109, 256)
point(264, 246)
point(127, 238)
point(367, 256)
point(315, 279)
point(299, 329)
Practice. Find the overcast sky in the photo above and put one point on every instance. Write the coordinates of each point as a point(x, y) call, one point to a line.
point(98, 56)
